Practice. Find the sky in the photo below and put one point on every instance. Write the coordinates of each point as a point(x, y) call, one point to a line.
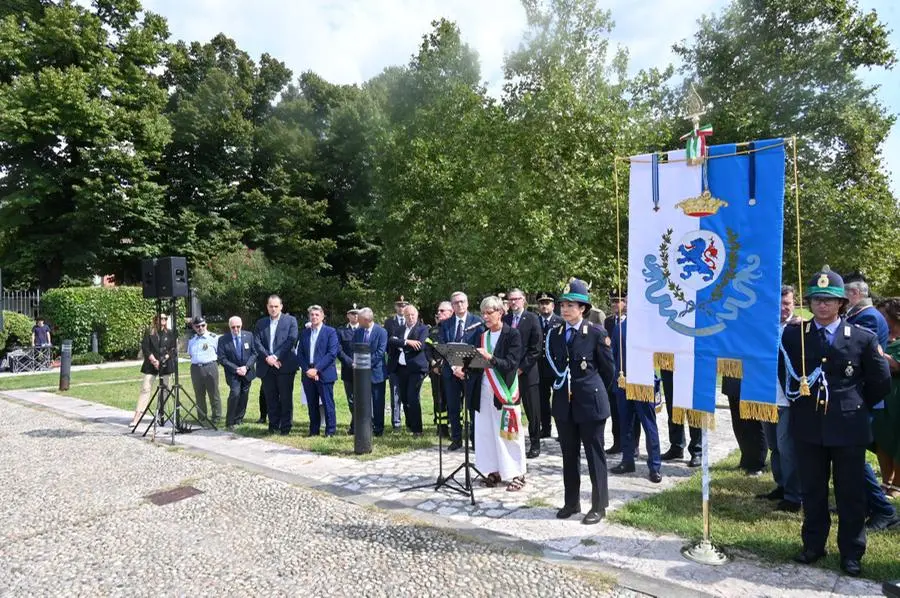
point(350, 41)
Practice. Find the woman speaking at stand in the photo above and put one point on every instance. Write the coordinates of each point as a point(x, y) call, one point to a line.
point(499, 437)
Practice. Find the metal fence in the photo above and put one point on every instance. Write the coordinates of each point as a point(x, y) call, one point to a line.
point(23, 302)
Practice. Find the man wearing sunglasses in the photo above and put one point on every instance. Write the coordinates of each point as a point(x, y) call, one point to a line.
point(203, 349)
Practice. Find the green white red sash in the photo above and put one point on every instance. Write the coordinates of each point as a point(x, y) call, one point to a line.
point(508, 396)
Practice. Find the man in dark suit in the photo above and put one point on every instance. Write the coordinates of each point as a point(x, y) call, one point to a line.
point(237, 356)
point(435, 364)
point(407, 357)
point(393, 325)
point(376, 337)
point(548, 321)
point(847, 375)
point(749, 433)
point(461, 327)
point(274, 339)
point(345, 335)
point(529, 328)
point(317, 352)
point(581, 358)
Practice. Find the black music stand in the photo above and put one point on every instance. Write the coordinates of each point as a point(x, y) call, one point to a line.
point(466, 357)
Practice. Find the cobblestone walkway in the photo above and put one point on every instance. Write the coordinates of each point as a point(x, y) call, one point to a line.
point(525, 518)
point(76, 522)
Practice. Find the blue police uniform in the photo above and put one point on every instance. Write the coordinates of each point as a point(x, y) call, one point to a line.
point(203, 349)
point(631, 412)
point(583, 362)
point(345, 356)
point(847, 375)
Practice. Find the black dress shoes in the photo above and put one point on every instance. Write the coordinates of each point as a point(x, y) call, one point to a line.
point(655, 477)
point(567, 511)
point(622, 468)
point(776, 494)
point(880, 523)
point(455, 445)
point(788, 506)
point(809, 556)
point(672, 454)
point(615, 449)
point(696, 461)
point(534, 452)
point(851, 567)
point(594, 516)
point(261, 420)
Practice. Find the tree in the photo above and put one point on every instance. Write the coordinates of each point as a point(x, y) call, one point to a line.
point(81, 135)
point(782, 68)
point(220, 101)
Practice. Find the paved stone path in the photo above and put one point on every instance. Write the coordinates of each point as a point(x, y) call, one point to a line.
point(77, 523)
point(524, 519)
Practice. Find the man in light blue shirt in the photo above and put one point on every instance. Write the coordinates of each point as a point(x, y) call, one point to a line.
point(203, 349)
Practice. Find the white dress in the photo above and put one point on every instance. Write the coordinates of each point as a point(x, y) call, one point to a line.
point(492, 452)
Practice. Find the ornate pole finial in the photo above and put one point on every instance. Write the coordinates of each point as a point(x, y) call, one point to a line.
point(694, 108)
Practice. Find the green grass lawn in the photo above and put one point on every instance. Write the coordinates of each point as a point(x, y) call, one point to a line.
point(119, 387)
point(51, 379)
point(740, 521)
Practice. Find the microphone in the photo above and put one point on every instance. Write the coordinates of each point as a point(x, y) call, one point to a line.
point(473, 326)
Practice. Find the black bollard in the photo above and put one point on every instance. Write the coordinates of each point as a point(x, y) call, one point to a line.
point(65, 365)
point(362, 398)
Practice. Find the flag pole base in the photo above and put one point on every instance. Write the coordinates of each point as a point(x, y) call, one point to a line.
point(704, 553)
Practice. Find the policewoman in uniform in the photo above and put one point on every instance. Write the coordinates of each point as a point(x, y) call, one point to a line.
point(581, 359)
point(847, 375)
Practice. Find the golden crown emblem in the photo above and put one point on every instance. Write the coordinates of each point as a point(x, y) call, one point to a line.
point(703, 205)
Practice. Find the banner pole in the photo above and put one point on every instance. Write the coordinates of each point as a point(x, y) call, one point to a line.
point(705, 552)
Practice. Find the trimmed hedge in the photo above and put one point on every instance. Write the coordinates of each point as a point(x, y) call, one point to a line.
point(119, 315)
point(15, 326)
point(87, 359)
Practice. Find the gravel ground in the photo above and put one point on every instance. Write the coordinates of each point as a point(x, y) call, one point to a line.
point(76, 523)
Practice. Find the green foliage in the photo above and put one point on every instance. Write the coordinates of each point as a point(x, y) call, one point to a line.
point(81, 124)
point(119, 315)
point(118, 145)
point(236, 283)
point(87, 359)
point(239, 282)
point(809, 87)
point(15, 326)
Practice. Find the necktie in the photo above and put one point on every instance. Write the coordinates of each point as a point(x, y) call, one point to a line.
point(459, 331)
point(402, 321)
point(570, 334)
point(366, 336)
point(546, 326)
point(516, 321)
point(823, 336)
point(237, 348)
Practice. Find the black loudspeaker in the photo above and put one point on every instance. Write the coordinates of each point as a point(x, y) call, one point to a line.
point(148, 279)
point(172, 277)
point(164, 277)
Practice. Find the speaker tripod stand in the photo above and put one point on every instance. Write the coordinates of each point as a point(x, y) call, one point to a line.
point(466, 357)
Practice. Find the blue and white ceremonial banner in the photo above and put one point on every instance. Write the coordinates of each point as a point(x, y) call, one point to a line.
point(704, 276)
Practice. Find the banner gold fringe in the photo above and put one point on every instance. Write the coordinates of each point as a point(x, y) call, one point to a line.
point(764, 412)
point(733, 368)
point(694, 418)
point(640, 392)
point(664, 361)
